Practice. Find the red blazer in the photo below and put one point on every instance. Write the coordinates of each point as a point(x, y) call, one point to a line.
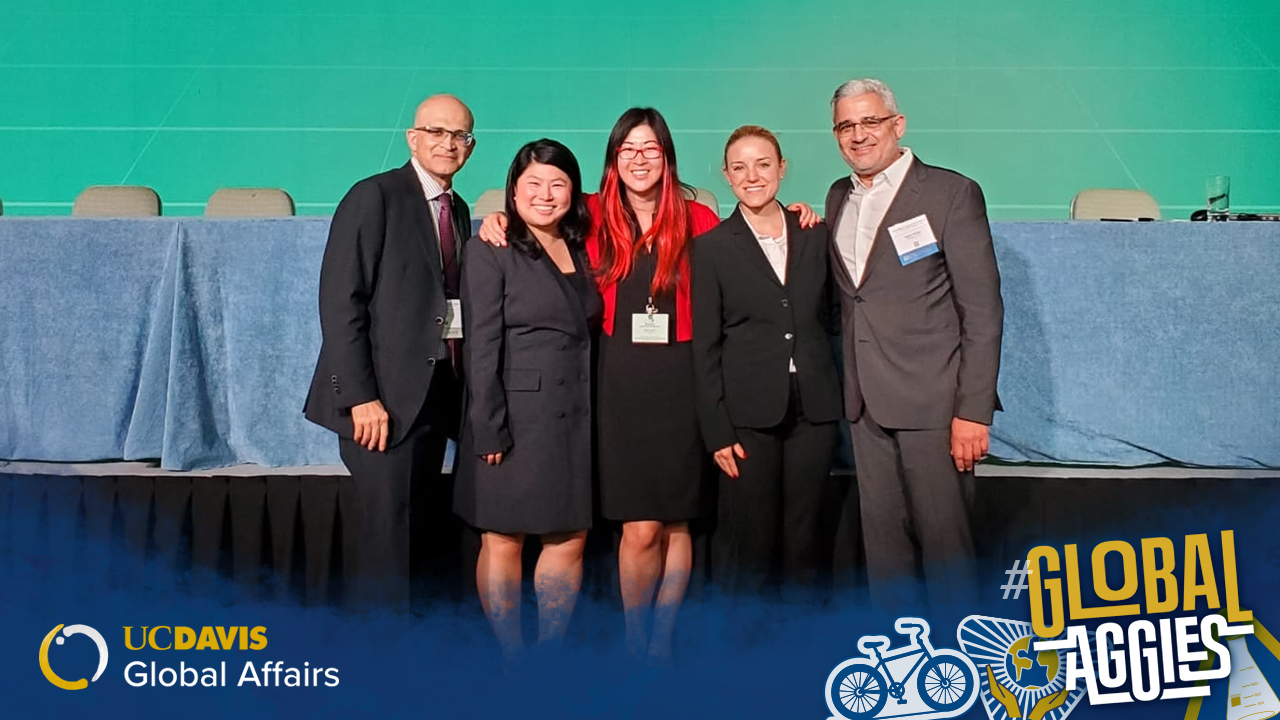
point(703, 218)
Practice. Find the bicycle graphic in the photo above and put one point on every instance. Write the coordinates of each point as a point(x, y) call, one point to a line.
point(913, 680)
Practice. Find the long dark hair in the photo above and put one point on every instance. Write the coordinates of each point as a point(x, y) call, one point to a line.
point(672, 226)
point(575, 224)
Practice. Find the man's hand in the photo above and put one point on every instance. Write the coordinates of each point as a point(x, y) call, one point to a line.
point(492, 458)
point(493, 230)
point(372, 425)
point(808, 218)
point(969, 442)
point(724, 458)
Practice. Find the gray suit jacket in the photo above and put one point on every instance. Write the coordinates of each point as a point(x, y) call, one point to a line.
point(922, 342)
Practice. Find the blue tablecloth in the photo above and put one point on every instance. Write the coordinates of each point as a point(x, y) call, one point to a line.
point(192, 341)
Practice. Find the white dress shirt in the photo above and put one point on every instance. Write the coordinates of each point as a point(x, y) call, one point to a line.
point(775, 249)
point(863, 212)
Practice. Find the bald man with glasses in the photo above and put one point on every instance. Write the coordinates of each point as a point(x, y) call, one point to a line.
point(389, 377)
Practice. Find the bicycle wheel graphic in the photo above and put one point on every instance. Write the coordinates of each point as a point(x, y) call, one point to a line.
point(944, 683)
point(859, 692)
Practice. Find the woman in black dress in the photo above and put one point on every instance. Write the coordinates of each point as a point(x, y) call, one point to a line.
point(529, 313)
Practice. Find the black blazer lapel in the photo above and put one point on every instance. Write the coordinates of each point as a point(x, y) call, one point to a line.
point(566, 288)
point(420, 214)
point(797, 243)
point(746, 245)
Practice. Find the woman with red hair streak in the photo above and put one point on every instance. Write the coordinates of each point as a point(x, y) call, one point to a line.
point(652, 466)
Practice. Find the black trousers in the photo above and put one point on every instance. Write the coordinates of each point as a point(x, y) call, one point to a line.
point(776, 520)
point(401, 542)
point(915, 516)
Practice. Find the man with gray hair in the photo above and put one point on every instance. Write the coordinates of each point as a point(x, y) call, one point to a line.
point(921, 326)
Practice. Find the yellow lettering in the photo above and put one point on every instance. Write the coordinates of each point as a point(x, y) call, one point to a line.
point(1130, 559)
point(1078, 610)
point(259, 635)
point(127, 644)
point(151, 637)
point(208, 641)
point(1159, 575)
point(184, 638)
point(228, 640)
point(1198, 555)
point(1039, 585)
point(1234, 613)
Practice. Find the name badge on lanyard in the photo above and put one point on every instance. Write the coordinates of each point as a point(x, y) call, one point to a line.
point(650, 326)
point(453, 320)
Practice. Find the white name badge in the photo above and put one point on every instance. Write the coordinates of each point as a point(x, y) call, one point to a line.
point(453, 321)
point(649, 328)
point(913, 239)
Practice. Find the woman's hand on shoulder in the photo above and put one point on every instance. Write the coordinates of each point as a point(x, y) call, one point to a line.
point(493, 230)
point(808, 218)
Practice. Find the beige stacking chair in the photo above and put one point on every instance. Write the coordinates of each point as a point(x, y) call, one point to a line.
point(1107, 204)
point(490, 201)
point(117, 201)
point(249, 203)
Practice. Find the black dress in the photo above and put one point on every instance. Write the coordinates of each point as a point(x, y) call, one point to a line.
point(652, 462)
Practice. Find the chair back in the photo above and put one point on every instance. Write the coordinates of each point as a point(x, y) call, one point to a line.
point(117, 201)
point(249, 203)
point(1114, 204)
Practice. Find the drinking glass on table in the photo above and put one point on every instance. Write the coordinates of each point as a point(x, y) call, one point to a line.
point(1218, 196)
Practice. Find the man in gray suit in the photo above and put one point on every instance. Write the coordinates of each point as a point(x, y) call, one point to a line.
point(921, 324)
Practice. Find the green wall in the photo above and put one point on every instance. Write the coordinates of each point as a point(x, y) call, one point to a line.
point(1033, 99)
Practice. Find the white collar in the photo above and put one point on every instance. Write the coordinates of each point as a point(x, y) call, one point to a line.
point(430, 186)
point(893, 175)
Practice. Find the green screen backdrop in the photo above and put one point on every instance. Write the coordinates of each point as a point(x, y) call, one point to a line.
point(1035, 99)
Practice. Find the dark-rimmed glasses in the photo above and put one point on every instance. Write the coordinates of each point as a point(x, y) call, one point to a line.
point(650, 152)
point(437, 134)
point(869, 124)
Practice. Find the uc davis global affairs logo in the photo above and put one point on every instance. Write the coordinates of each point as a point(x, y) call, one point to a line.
point(914, 680)
point(68, 631)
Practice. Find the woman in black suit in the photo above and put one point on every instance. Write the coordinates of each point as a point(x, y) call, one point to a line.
point(767, 383)
point(529, 314)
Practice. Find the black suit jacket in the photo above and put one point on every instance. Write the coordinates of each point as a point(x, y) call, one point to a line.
point(747, 326)
point(922, 342)
point(529, 374)
point(382, 303)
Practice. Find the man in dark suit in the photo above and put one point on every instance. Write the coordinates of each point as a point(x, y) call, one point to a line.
point(922, 320)
point(388, 379)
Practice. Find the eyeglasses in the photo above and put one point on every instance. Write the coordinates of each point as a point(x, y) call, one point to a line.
point(869, 124)
point(437, 134)
point(650, 152)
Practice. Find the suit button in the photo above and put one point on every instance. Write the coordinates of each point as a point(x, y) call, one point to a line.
point(439, 320)
point(785, 303)
point(788, 336)
point(337, 390)
point(431, 362)
point(858, 299)
point(333, 379)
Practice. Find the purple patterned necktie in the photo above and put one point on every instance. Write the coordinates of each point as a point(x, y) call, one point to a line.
point(448, 245)
point(449, 258)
